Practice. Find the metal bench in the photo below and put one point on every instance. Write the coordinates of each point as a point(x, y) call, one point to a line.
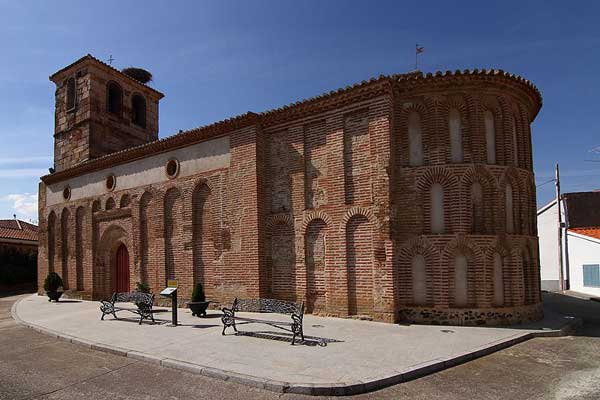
point(294, 310)
point(143, 302)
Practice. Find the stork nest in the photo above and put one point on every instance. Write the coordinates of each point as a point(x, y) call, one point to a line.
point(139, 74)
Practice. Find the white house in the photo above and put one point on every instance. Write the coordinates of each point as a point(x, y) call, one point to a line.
point(581, 243)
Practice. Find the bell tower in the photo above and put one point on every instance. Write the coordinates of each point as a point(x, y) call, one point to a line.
point(100, 110)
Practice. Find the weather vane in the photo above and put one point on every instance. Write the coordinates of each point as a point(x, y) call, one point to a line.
point(418, 50)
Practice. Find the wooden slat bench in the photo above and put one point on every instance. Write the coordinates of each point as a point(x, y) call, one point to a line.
point(143, 302)
point(294, 310)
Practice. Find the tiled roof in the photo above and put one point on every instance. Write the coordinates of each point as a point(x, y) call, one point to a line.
point(592, 231)
point(184, 138)
point(11, 229)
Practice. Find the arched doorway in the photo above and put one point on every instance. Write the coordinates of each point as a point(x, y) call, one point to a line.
point(122, 269)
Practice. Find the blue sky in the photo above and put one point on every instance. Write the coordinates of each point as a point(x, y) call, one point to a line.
point(217, 59)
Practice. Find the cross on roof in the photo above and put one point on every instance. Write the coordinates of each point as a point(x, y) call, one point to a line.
point(110, 59)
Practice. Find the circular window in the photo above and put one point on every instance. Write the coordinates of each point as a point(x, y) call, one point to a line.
point(111, 182)
point(172, 168)
point(67, 193)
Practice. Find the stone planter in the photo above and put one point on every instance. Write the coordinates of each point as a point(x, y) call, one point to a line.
point(198, 308)
point(54, 296)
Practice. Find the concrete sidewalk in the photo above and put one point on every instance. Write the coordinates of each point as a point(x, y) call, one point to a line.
point(339, 356)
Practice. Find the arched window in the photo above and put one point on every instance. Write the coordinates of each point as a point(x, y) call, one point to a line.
point(138, 110)
point(515, 144)
point(455, 129)
point(490, 136)
point(460, 281)
point(419, 280)
point(477, 212)
point(71, 94)
point(114, 101)
point(110, 204)
point(510, 216)
point(437, 208)
point(415, 139)
point(498, 279)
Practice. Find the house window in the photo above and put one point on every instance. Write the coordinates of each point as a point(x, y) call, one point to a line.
point(591, 275)
point(138, 110)
point(114, 98)
point(71, 94)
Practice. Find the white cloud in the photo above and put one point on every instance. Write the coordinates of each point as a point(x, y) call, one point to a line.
point(25, 203)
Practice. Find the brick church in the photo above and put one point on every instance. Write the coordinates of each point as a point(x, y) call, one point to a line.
point(408, 197)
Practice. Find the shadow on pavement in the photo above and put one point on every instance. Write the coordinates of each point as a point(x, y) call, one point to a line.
point(287, 337)
point(587, 310)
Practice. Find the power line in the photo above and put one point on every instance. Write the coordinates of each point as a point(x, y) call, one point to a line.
point(548, 181)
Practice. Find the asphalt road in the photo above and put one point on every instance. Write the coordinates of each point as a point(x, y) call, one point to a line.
point(33, 365)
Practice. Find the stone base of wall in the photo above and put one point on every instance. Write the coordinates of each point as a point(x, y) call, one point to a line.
point(497, 316)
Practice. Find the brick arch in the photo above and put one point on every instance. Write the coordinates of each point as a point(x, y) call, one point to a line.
point(500, 246)
point(315, 215)
point(109, 204)
point(146, 233)
point(282, 261)
point(204, 181)
point(481, 175)
point(402, 141)
point(96, 206)
point(110, 239)
point(491, 104)
point(79, 224)
point(458, 102)
point(204, 233)
point(277, 219)
point(51, 252)
point(358, 211)
point(315, 261)
point(449, 182)
point(125, 200)
point(173, 231)
point(462, 245)
point(413, 247)
point(511, 175)
point(65, 223)
point(359, 261)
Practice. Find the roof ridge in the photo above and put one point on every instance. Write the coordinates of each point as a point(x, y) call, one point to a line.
point(91, 57)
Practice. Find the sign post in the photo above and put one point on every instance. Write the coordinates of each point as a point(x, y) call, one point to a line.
point(171, 291)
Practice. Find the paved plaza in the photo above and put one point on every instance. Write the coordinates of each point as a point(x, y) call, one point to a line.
point(339, 356)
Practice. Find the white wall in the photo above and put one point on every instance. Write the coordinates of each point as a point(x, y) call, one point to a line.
point(582, 250)
point(200, 157)
point(547, 220)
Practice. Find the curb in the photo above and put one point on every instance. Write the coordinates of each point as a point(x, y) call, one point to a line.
point(320, 389)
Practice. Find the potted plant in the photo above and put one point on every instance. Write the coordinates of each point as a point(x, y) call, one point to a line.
point(141, 287)
point(198, 305)
point(51, 285)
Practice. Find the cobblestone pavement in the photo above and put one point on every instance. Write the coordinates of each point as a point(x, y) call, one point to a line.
point(33, 365)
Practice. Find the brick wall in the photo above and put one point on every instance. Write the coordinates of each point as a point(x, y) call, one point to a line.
point(323, 205)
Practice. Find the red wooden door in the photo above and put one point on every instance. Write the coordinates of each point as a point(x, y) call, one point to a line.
point(122, 269)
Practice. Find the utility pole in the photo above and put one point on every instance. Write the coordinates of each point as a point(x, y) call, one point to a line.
point(561, 283)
